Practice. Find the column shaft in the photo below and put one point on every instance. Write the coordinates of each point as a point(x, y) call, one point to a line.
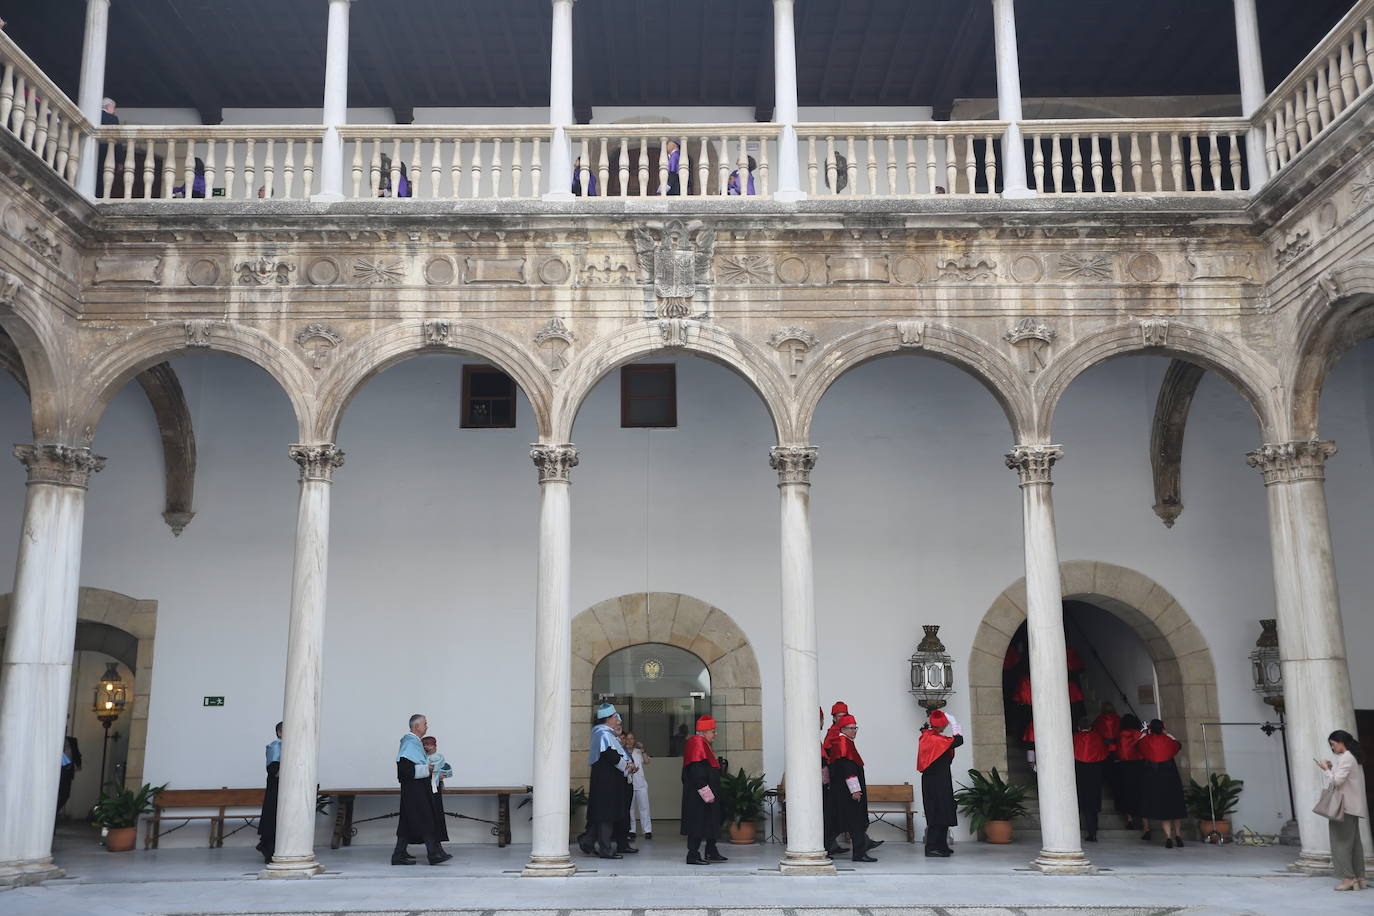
point(35, 681)
point(800, 680)
point(1009, 99)
point(91, 89)
point(553, 675)
point(1061, 845)
point(335, 104)
point(299, 776)
point(1251, 87)
point(561, 102)
point(785, 100)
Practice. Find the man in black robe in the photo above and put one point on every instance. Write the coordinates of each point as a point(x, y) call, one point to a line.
point(934, 755)
point(416, 821)
point(267, 820)
point(849, 790)
point(701, 802)
point(607, 806)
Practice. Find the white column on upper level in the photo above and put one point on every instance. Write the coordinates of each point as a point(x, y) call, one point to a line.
point(1009, 99)
point(1251, 87)
point(91, 90)
point(785, 100)
point(335, 102)
point(561, 101)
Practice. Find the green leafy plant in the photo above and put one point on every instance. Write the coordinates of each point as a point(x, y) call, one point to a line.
point(119, 807)
point(990, 798)
point(741, 797)
point(1217, 805)
point(577, 798)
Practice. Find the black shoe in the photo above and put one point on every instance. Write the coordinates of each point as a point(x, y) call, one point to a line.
point(1091, 838)
point(694, 858)
point(874, 844)
point(1146, 836)
point(648, 836)
point(864, 858)
point(585, 844)
point(837, 850)
point(402, 860)
point(627, 848)
point(440, 859)
point(609, 855)
point(714, 856)
point(1178, 841)
point(1168, 842)
point(938, 853)
point(631, 834)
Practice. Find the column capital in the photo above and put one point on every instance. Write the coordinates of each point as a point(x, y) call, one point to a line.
point(60, 465)
point(554, 462)
point(1288, 462)
point(793, 463)
point(317, 461)
point(1032, 463)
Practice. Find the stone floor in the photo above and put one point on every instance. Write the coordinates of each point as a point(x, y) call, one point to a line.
point(980, 880)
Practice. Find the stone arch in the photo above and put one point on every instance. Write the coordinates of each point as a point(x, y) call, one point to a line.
point(646, 339)
point(117, 365)
point(34, 344)
point(1256, 381)
point(1183, 664)
point(688, 623)
point(125, 628)
point(1336, 316)
point(399, 342)
point(965, 351)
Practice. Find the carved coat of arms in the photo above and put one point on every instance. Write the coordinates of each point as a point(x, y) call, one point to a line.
point(676, 262)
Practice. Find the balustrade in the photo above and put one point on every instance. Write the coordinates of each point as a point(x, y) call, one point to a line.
point(1119, 156)
point(908, 159)
point(636, 160)
point(201, 163)
point(445, 162)
point(38, 113)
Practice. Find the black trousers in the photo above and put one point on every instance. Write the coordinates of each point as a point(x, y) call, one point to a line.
point(431, 846)
point(1088, 819)
point(694, 845)
point(937, 839)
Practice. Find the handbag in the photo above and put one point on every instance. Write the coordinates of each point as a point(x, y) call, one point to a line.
point(1330, 804)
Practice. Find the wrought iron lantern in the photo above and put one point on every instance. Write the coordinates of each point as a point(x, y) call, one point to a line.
point(1264, 665)
point(932, 671)
point(111, 693)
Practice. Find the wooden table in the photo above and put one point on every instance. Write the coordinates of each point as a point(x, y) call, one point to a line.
point(344, 829)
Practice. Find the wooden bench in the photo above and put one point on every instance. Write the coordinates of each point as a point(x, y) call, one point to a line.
point(221, 799)
point(896, 800)
point(344, 829)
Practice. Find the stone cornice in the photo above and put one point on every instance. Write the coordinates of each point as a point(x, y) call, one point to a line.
point(1289, 462)
point(59, 465)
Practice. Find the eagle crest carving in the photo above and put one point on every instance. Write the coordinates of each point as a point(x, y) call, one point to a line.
point(676, 262)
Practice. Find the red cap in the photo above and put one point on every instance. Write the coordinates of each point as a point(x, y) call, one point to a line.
point(705, 723)
point(839, 709)
point(938, 719)
point(845, 721)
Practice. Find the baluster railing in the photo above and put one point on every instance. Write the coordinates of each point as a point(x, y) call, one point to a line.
point(40, 115)
point(1120, 151)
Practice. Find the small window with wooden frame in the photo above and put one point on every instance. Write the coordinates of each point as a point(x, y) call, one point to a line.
point(488, 398)
point(648, 396)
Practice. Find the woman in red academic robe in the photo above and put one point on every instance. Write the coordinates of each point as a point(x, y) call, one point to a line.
point(1161, 790)
point(830, 829)
point(1089, 754)
point(1127, 768)
point(701, 794)
point(934, 756)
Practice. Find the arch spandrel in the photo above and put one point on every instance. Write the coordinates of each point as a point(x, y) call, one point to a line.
point(383, 349)
point(988, 366)
point(650, 338)
point(1336, 316)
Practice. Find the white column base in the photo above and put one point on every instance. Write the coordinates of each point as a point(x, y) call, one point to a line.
point(28, 871)
point(292, 867)
point(807, 863)
point(1054, 862)
point(1019, 193)
point(549, 867)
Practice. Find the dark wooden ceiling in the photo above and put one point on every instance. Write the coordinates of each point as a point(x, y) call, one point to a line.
point(216, 54)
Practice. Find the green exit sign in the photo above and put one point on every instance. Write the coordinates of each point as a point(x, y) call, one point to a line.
point(213, 701)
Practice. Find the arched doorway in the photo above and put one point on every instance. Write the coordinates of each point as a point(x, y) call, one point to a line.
point(671, 621)
point(1185, 676)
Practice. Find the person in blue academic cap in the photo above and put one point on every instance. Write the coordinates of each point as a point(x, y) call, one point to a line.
point(607, 805)
point(578, 173)
point(416, 823)
point(267, 821)
point(732, 184)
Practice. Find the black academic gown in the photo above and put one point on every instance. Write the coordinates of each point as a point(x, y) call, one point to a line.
point(700, 768)
point(937, 789)
point(606, 796)
point(851, 816)
point(267, 820)
point(416, 821)
point(440, 819)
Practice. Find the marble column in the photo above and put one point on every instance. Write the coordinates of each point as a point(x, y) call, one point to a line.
point(1061, 845)
point(785, 101)
point(553, 675)
point(35, 681)
point(1316, 679)
point(561, 102)
point(1009, 100)
point(1251, 87)
point(91, 89)
point(300, 746)
point(335, 102)
point(805, 853)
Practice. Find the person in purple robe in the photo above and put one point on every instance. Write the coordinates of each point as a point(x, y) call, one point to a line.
point(197, 182)
point(732, 186)
point(577, 179)
point(674, 186)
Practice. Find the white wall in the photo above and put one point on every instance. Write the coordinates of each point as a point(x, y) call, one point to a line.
point(433, 551)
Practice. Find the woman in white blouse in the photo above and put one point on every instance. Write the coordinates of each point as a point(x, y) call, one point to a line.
point(1347, 775)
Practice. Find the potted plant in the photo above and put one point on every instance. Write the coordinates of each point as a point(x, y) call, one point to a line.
point(577, 800)
point(118, 811)
point(741, 805)
point(1213, 804)
point(991, 804)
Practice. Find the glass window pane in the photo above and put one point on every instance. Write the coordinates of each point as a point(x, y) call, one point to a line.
point(655, 412)
point(646, 382)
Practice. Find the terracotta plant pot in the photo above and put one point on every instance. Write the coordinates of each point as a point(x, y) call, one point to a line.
point(121, 839)
point(742, 833)
point(1222, 829)
point(997, 832)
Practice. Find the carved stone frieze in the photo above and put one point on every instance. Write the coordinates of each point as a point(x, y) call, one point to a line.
point(555, 338)
point(911, 333)
point(1362, 189)
point(1027, 269)
point(1145, 267)
point(323, 272)
point(10, 288)
point(1033, 463)
point(794, 463)
point(554, 462)
point(1295, 244)
point(264, 271)
point(494, 270)
point(554, 271)
point(1033, 337)
point(128, 270)
point(908, 270)
point(676, 332)
point(607, 274)
point(440, 271)
point(59, 465)
point(1085, 267)
point(675, 264)
point(968, 267)
point(317, 462)
point(319, 342)
point(1217, 266)
point(863, 269)
point(436, 333)
point(1289, 462)
point(794, 270)
point(203, 272)
point(377, 272)
point(43, 243)
point(1154, 332)
point(745, 269)
point(198, 332)
point(794, 342)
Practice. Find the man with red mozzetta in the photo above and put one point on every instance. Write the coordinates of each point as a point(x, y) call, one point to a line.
point(701, 794)
point(849, 790)
point(831, 825)
point(1161, 792)
point(934, 755)
point(1089, 754)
